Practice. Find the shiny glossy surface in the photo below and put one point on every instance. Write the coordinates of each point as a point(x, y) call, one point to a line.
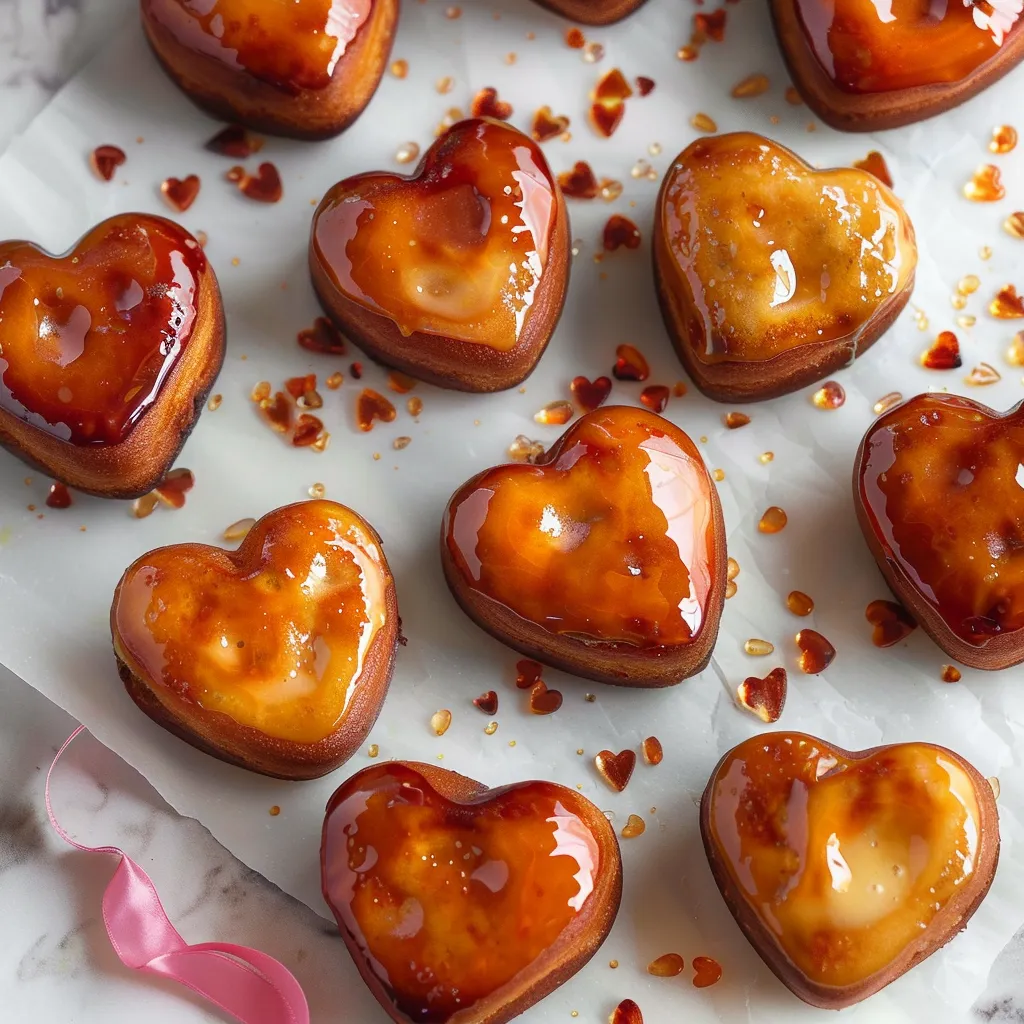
point(88, 339)
point(456, 251)
point(868, 46)
point(273, 635)
point(845, 862)
point(942, 482)
point(608, 537)
point(292, 45)
point(449, 901)
point(766, 254)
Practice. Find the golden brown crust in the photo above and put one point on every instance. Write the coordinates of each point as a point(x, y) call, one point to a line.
point(137, 464)
point(593, 12)
point(946, 924)
point(869, 112)
point(449, 362)
point(306, 114)
point(576, 945)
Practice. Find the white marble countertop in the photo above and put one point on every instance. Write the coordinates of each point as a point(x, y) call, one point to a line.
point(56, 963)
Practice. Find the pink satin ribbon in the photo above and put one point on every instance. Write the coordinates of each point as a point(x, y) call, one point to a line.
point(249, 985)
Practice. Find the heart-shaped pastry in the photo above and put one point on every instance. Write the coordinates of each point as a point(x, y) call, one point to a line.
point(844, 870)
point(864, 66)
point(457, 274)
point(937, 488)
point(462, 904)
point(605, 557)
point(275, 657)
point(772, 275)
point(107, 353)
point(592, 12)
point(305, 68)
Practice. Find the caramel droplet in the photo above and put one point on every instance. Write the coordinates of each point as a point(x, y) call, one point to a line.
point(610, 189)
point(735, 420)
point(627, 1012)
point(214, 403)
point(994, 784)
point(816, 653)
point(892, 623)
point(630, 364)
point(373, 750)
point(1007, 304)
point(752, 85)
point(652, 750)
point(764, 697)
point(522, 449)
point(874, 163)
point(644, 85)
point(238, 529)
point(491, 728)
point(1014, 224)
point(773, 521)
point(944, 353)
point(732, 569)
point(986, 185)
point(655, 397)
point(414, 405)
point(704, 123)
point(765, 457)
point(887, 402)
point(59, 496)
point(615, 769)
point(142, 507)
point(635, 826)
point(575, 39)
point(1015, 353)
point(668, 965)
point(758, 648)
point(400, 68)
point(275, 811)
point(555, 413)
point(316, 490)
point(440, 720)
point(799, 603)
point(829, 396)
point(407, 152)
point(1004, 139)
point(730, 589)
point(593, 52)
point(950, 674)
point(982, 375)
point(707, 971)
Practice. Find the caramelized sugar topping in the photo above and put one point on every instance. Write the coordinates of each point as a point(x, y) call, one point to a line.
point(867, 47)
point(941, 483)
point(845, 861)
point(459, 249)
point(450, 901)
point(274, 634)
point(762, 254)
point(294, 45)
point(87, 339)
point(609, 536)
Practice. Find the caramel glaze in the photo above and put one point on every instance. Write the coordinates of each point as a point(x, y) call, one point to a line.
point(107, 353)
point(844, 870)
point(772, 275)
point(456, 274)
point(937, 487)
point(275, 657)
point(861, 68)
point(592, 12)
point(305, 68)
point(605, 558)
point(461, 904)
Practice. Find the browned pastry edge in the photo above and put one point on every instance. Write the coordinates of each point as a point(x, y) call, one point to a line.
point(444, 361)
point(756, 380)
point(233, 95)
point(869, 112)
point(580, 940)
point(134, 466)
point(620, 664)
point(946, 924)
point(218, 734)
point(592, 12)
point(1002, 651)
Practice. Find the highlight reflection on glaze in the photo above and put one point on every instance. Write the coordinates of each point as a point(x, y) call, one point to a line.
point(273, 635)
point(449, 901)
point(457, 250)
point(609, 537)
point(870, 46)
point(942, 482)
point(845, 861)
point(764, 254)
point(293, 45)
point(87, 339)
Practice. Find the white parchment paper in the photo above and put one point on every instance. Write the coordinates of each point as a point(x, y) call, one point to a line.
point(57, 573)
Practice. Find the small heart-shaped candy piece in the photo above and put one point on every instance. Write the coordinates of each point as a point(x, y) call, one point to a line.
point(860, 69)
point(456, 275)
point(109, 352)
point(584, 558)
point(937, 486)
point(892, 623)
point(592, 12)
point(589, 394)
point(461, 903)
point(844, 870)
point(547, 125)
point(616, 769)
point(181, 193)
point(236, 141)
point(487, 702)
point(275, 657)
point(487, 104)
point(305, 69)
point(773, 275)
point(764, 697)
point(630, 364)
point(105, 160)
point(264, 186)
point(372, 405)
point(527, 673)
point(707, 971)
point(544, 701)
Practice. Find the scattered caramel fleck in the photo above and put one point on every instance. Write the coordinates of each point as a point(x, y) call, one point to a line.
point(944, 353)
point(730, 589)
point(758, 648)
point(635, 826)
point(1015, 353)
point(335, 380)
point(370, 406)
point(522, 449)
point(440, 720)
point(765, 457)
point(732, 568)
point(407, 152)
point(451, 13)
point(275, 811)
point(773, 521)
point(593, 52)
point(445, 84)
point(414, 405)
point(996, 788)
point(1007, 304)
point(958, 301)
point(983, 374)
point(968, 284)
point(887, 402)
point(718, 474)
point(816, 653)
point(491, 728)
point(1004, 139)
point(829, 396)
point(793, 98)
point(238, 529)
point(735, 420)
point(555, 413)
point(173, 488)
point(214, 403)
point(261, 391)
point(799, 603)
point(613, 964)
point(704, 123)
point(765, 697)
point(575, 39)
point(986, 185)
point(400, 68)
point(652, 750)
point(373, 750)
point(668, 965)
point(401, 442)
point(752, 85)
point(142, 507)
point(874, 163)
point(1014, 224)
point(316, 490)
point(323, 336)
